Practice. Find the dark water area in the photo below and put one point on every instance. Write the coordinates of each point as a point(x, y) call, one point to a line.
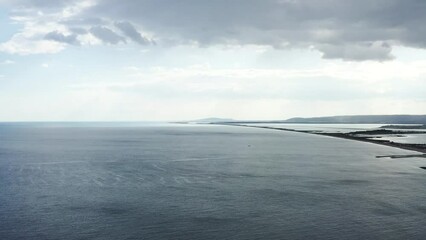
point(203, 182)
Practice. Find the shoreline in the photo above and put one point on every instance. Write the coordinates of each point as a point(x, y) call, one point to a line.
point(406, 146)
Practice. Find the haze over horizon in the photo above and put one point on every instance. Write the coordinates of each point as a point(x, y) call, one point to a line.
point(109, 60)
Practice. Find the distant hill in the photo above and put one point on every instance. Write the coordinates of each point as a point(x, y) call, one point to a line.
point(353, 119)
point(380, 119)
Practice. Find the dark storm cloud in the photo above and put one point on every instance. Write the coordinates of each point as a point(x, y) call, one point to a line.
point(346, 29)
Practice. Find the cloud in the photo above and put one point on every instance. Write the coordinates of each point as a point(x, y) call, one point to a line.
point(106, 35)
point(365, 51)
point(41, 25)
point(343, 81)
point(60, 37)
point(130, 31)
point(21, 45)
point(45, 4)
point(79, 31)
point(355, 30)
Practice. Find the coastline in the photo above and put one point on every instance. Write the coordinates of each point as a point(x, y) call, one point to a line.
point(421, 148)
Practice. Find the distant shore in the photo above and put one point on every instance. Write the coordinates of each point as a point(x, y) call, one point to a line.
point(406, 146)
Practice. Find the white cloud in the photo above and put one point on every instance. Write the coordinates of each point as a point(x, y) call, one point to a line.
point(37, 36)
point(331, 81)
point(368, 72)
point(21, 45)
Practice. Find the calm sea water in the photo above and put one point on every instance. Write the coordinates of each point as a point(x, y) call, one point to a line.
point(203, 182)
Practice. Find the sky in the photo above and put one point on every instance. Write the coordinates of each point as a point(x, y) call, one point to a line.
point(161, 60)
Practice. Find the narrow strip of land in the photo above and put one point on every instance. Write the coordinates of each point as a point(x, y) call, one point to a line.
point(407, 146)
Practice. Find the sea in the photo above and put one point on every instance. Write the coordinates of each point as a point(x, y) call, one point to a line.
point(187, 181)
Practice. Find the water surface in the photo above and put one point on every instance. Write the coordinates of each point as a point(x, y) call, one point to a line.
point(203, 182)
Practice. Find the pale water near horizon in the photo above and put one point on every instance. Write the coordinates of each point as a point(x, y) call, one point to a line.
point(322, 127)
point(405, 138)
point(203, 182)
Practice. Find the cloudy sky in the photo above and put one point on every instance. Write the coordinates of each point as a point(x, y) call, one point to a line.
point(93, 60)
